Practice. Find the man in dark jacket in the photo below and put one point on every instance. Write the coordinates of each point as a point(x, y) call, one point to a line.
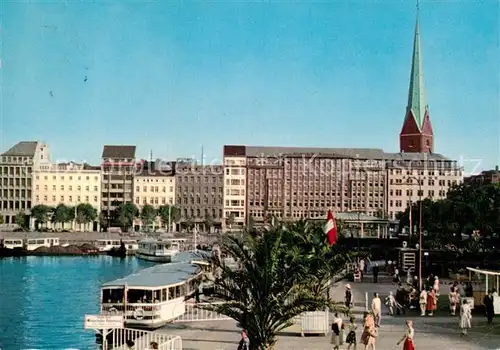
point(488, 306)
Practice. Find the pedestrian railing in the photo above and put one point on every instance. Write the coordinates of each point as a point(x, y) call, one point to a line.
point(141, 339)
point(196, 312)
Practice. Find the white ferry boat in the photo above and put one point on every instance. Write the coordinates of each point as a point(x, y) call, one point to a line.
point(35, 243)
point(156, 295)
point(12, 243)
point(158, 250)
point(105, 245)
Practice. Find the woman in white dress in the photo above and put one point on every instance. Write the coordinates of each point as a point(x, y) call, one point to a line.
point(465, 317)
point(336, 340)
point(436, 285)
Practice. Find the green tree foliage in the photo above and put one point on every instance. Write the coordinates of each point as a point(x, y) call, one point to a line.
point(125, 215)
point(62, 214)
point(169, 211)
point(85, 214)
point(274, 281)
point(21, 220)
point(466, 208)
point(148, 215)
point(42, 214)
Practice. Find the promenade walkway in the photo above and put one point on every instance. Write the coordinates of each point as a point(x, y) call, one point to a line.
point(438, 332)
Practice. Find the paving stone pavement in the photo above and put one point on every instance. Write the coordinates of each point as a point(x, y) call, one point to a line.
point(439, 332)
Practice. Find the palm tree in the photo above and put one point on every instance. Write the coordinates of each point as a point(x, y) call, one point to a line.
point(270, 287)
point(308, 241)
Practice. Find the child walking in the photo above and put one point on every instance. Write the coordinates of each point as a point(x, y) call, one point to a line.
point(351, 335)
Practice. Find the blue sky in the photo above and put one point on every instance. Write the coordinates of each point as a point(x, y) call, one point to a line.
point(171, 76)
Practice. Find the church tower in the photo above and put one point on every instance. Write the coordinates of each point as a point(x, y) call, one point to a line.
point(416, 134)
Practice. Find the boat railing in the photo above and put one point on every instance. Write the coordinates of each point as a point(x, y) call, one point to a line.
point(142, 339)
point(112, 308)
point(143, 311)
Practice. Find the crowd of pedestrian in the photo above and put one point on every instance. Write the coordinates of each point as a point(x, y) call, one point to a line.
point(425, 300)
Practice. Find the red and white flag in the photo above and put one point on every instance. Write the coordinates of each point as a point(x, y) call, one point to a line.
point(330, 228)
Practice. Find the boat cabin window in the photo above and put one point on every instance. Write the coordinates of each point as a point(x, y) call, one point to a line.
point(112, 296)
point(36, 241)
point(141, 296)
point(164, 294)
point(13, 242)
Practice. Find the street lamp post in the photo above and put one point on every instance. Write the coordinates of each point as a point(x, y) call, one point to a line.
point(419, 183)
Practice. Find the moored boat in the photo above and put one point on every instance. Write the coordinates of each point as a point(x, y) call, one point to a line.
point(158, 250)
point(156, 295)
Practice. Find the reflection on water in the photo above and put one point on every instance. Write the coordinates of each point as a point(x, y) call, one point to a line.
point(43, 299)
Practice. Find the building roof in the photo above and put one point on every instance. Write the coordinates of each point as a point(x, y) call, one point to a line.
point(157, 276)
point(405, 156)
point(22, 149)
point(362, 153)
point(417, 101)
point(118, 152)
point(354, 153)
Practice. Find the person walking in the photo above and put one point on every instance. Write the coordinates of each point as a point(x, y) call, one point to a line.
point(391, 303)
point(423, 302)
point(348, 296)
point(453, 298)
point(361, 267)
point(244, 341)
point(336, 339)
point(377, 309)
point(489, 306)
point(436, 285)
point(408, 337)
point(431, 302)
point(465, 317)
point(351, 334)
point(370, 333)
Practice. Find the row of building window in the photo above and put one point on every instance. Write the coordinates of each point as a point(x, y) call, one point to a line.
point(235, 182)
point(322, 204)
point(16, 182)
point(154, 189)
point(237, 171)
point(186, 190)
point(69, 177)
point(16, 205)
point(235, 203)
point(197, 213)
point(200, 179)
point(154, 201)
point(423, 172)
point(16, 171)
point(418, 193)
point(16, 194)
point(70, 188)
point(192, 200)
point(63, 198)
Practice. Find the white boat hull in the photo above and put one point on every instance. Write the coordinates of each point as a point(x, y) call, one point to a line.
point(154, 258)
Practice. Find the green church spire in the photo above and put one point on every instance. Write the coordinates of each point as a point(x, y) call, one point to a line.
point(417, 102)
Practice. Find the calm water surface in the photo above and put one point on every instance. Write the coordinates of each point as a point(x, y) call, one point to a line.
point(43, 300)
